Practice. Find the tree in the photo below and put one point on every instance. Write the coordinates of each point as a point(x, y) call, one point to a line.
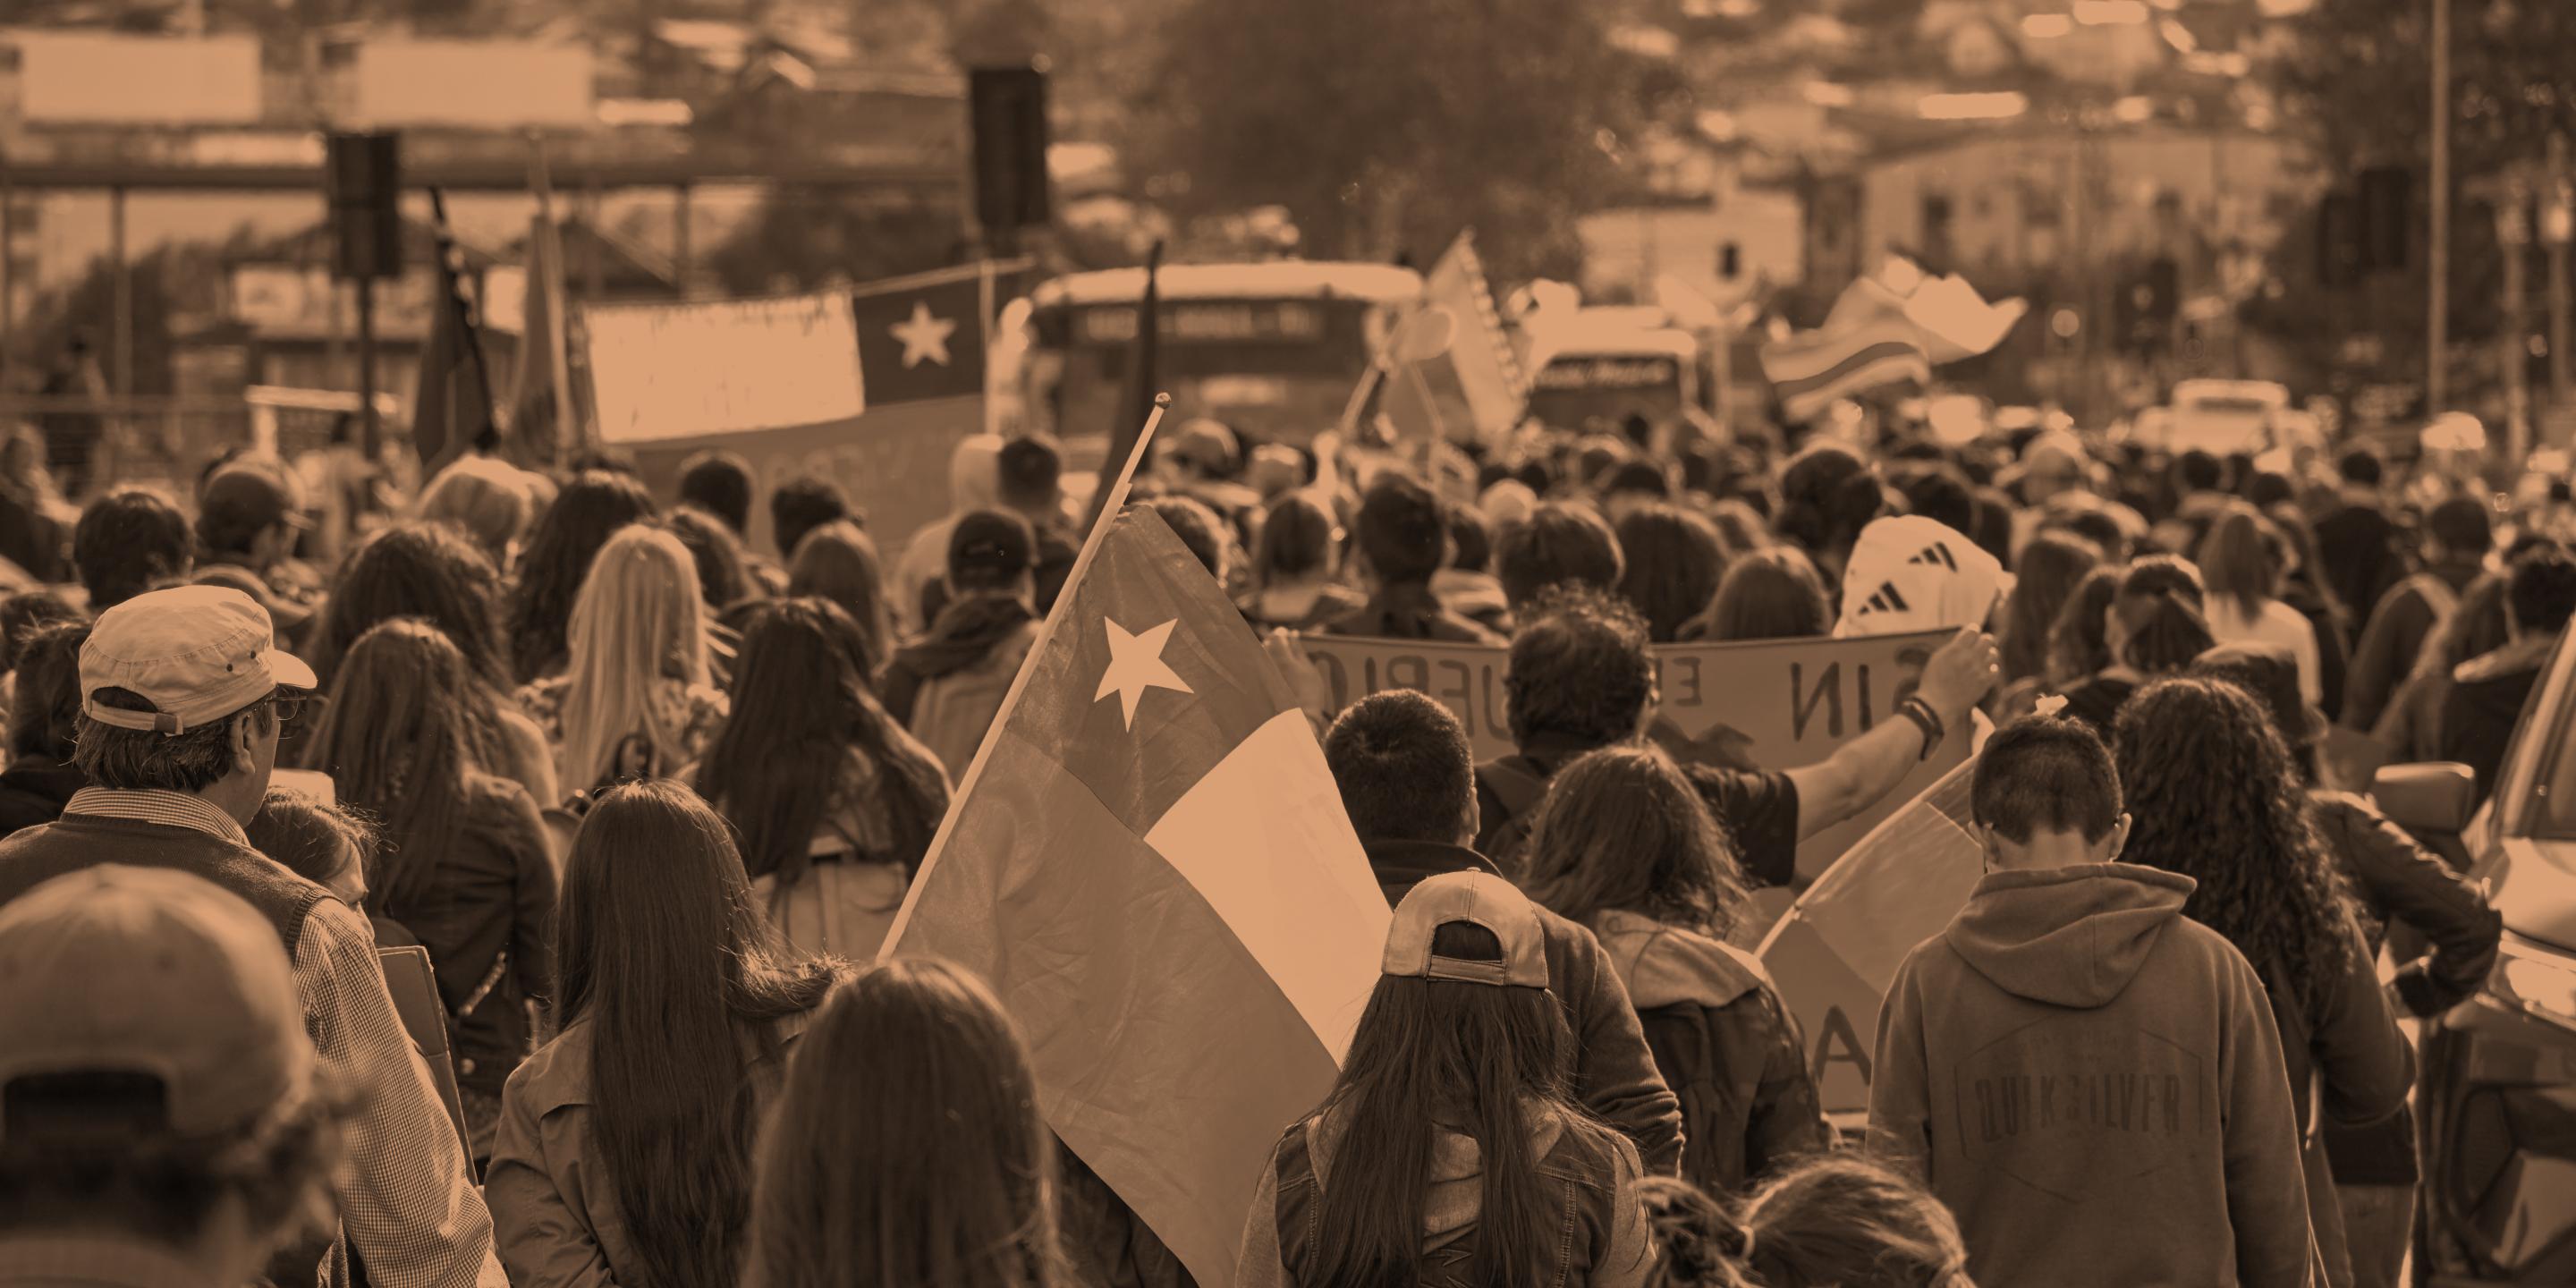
point(1388, 125)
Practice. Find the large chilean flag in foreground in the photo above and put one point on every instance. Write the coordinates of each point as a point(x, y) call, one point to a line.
point(1150, 862)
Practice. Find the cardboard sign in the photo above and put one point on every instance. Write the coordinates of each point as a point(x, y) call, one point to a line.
point(1770, 704)
point(893, 462)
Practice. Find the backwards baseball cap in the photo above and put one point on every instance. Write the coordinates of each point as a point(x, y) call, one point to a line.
point(250, 494)
point(154, 972)
point(991, 541)
point(1477, 898)
point(196, 653)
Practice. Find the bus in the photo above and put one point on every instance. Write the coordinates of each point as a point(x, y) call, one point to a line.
point(1272, 350)
point(1600, 366)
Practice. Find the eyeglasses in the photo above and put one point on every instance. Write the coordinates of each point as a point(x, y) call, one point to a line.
point(288, 704)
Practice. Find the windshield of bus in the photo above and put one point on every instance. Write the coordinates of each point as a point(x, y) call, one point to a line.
point(1281, 370)
point(1574, 390)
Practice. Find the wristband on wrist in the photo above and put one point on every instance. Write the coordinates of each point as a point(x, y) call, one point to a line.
point(1921, 713)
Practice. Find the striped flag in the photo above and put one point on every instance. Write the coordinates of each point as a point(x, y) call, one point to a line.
point(1149, 860)
point(1486, 372)
point(1813, 370)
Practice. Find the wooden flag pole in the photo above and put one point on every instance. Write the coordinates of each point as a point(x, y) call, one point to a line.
point(1116, 501)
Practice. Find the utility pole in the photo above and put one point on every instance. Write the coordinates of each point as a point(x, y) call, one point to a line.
point(2437, 324)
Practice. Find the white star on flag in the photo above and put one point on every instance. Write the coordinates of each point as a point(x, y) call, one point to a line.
point(924, 336)
point(1136, 664)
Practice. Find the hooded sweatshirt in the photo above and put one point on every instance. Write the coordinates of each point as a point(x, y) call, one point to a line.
point(974, 483)
point(2094, 1085)
point(2485, 701)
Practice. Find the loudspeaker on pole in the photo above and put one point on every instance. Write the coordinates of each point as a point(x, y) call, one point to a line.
point(363, 178)
point(1007, 117)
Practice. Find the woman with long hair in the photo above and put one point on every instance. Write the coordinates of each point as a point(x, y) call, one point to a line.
point(2213, 797)
point(625, 1143)
point(44, 727)
point(1768, 594)
point(637, 698)
point(2306, 589)
point(2044, 578)
point(1295, 585)
point(1626, 846)
point(2078, 642)
point(835, 803)
point(431, 572)
point(1450, 1150)
point(467, 864)
point(568, 536)
point(2154, 627)
point(1834, 1221)
point(1676, 561)
point(483, 499)
point(941, 1176)
point(838, 562)
point(1828, 493)
point(2244, 561)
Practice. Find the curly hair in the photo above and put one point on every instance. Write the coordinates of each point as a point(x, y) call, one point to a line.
point(2212, 796)
point(1579, 669)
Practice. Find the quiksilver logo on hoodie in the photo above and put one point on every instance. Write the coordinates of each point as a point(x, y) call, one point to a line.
point(2155, 1104)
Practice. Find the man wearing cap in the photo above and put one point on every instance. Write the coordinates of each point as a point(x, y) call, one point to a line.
point(1408, 781)
point(164, 1127)
point(184, 695)
point(249, 514)
point(948, 687)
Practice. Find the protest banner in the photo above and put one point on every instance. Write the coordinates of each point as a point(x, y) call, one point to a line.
point(1767, 704)
point(664, 371)
point(892, 461)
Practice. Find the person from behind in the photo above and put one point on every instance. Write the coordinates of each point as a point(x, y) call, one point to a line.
point(2306, 589)
point(948, 687)
point(2217, 801)
point(624, 1148)
point(2089, 1080)
point(2370, 557)
point(1771, 593)
point(2487, 693)
point(1625, 847)
point(1029, 482)
point(838, 562)
point(184, 692)
point(2458, 536)
point(804, 503)
point(2154, 627)
point(725, 583)
point(168, 1121)
point(127, 542)
point(469, 870)
point(1403, 542)
point(1560, 541)
point(1407, 779)
point(1675, 563)
point(1201, 533)
point(2046, 576)
point(35, 521)
point(637, 698)
point(2244, 563)
point(322, 843)
point(44, 728)
point(1450, 1151)
point(250, 514)
point(1580, 679)
point(1831, 1221)
point(834, 802)
point(584, 515)
point(720, 483)
point(943, 1173)
point(1827, 495)
point(486, 500)
point(974, 486)
point(1294, 566)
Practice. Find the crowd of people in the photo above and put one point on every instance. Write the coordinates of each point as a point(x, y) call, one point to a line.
point(650, 800)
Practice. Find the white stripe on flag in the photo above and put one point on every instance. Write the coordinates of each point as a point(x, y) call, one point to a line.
point(1264, 840)
point(1876, 371)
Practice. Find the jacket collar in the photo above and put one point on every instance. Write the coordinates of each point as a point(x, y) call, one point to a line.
point(169, 809)
point(1402, 865)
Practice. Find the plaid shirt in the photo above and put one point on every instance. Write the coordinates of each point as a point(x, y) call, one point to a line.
point(406, 1200)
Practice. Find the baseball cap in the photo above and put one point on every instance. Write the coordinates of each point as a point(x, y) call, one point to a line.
point(153, 971)
point(1478, 898)
point(1207, 444)
point(990, 541)
point(249, 494)
point(1909, 573)
point(196, 653)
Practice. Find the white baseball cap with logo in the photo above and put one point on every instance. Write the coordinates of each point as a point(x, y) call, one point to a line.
point(196, 653)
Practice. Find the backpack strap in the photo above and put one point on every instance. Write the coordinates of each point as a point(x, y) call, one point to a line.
point(1516, 783)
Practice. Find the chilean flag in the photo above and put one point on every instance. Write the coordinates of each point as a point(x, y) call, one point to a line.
point(1149, 861)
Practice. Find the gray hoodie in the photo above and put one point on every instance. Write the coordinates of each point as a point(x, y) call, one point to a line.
point(2094, 1085)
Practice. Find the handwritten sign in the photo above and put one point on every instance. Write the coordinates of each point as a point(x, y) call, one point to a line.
point(1770, 704)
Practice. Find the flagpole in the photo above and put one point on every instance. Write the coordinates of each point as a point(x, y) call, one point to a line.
point(1115, 501)
point(558, 315)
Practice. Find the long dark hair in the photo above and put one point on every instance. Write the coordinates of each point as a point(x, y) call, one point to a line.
point(2242, 558)
point(663, 951)
point(801, 706)
point(724, 575)
point(588, 511)
point(1475, 1055)
point(1768, 594)
point(2078, 643)
point(2305, 570)
point(45, 707)
point(839, 562)
point(397, 745)
point(415, 569)
point(2049, 570)
point(1622, 829)
point(942, 1175)
point(1675, 562)
point(2213, 796)
point(2159, 609)
point(1827, 495)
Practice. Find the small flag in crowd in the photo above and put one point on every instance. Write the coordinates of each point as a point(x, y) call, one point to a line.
point(452, 407)
point(1149, 860)
point(922, 336)
point(1884, 330)
point(1838, 948)
point(1481, 364)
point(547, 419)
